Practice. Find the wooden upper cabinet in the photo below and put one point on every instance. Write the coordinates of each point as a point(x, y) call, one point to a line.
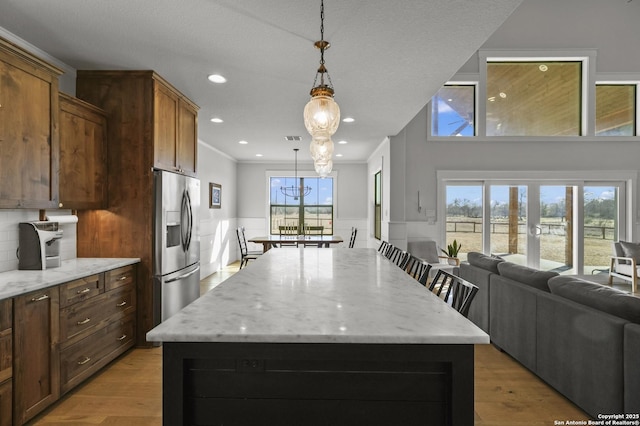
point(175, 131)
point(29, 144)
point(187, 137)
point(83, 155)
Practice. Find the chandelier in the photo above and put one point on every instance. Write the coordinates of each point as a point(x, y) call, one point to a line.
point(293, 190)
point(322, 114)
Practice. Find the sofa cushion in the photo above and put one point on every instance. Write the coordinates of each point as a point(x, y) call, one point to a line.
point(483, 261)
point(631, 250)
point(597, 296)
point(526, 275)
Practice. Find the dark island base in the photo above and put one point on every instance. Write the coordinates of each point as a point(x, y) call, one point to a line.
point(317, 384)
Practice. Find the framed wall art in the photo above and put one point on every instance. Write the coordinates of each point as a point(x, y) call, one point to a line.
point(215, 195)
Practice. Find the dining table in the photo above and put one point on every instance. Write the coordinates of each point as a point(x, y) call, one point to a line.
point(270, 241)
point(337, 336)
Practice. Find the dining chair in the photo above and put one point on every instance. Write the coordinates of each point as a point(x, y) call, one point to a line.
point(397, 256)
point(383, 248)
point(288, 230)
point(315, 231)
point(417, 268)
point(245, 254)
point(352, 240)
point(458, 292)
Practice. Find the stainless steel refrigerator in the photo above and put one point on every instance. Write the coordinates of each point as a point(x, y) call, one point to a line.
point(176, 255)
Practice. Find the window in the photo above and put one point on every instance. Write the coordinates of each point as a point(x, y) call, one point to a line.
point(541, 98)
point(453, 111)
point(313, 209)
point(377, 200)
point(616, 109)
point(464, 211)
point(549, 221)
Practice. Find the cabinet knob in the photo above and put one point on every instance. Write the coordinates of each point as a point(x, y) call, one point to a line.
point(86, 290)
point(84, 361)
point(121, 338)
point(120, 305)
point(84, 321)
point(60, 204)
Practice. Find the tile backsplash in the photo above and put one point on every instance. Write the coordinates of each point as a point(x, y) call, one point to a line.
point(9, 220)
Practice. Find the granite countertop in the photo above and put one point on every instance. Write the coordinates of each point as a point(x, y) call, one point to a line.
point(322, 295)
point(15, 283)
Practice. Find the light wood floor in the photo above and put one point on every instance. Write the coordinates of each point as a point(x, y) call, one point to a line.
point(128, 392)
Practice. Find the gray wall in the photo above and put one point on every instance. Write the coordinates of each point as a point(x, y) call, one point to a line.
point(218, 243)
point(609, 27)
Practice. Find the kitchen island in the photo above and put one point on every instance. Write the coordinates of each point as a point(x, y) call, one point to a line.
point(325, 336)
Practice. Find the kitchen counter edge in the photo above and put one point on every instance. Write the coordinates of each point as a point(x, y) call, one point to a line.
point(17, 282)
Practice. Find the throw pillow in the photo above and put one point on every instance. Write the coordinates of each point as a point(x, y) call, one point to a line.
point(483, 261)
point(597, 296)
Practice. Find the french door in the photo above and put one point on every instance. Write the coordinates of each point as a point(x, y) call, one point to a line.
point(563, 226)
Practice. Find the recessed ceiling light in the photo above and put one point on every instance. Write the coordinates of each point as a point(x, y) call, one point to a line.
point(338, 155)
point(342, 142)
point(258, 155)
point(348, 120)
point(217, 78)
point(217, 120)
point(243, 142)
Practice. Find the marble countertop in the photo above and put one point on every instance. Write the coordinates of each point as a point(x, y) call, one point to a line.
point(323, 295)
point(15, 283)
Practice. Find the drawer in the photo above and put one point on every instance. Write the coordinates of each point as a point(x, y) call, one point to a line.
point(81, 289)
point(120, 277)
point(82, 318)
point(85, 357)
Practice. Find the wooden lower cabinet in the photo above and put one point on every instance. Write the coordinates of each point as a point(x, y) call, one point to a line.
point(36, 366)
point(6, 362)
point(94, 331)
point(63, 335)
point(84, 358)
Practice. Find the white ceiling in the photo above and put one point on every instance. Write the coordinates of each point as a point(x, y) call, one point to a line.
point(387, 58)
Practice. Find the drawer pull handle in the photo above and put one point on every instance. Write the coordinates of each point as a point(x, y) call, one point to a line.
point(123, 278)
point(86, 320)
point(41, 298)
point(121, 304)
point(84, 361)
point(121, 338)
point(86, 290)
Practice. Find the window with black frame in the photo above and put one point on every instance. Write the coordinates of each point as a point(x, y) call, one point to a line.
point(301, 203)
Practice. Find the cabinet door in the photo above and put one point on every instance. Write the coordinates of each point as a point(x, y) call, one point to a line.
point(6, 416)
point(187, 138)
point(36, 363)
point(83, 155)
point(28, 134)
point(165, 128)
point(6, 361)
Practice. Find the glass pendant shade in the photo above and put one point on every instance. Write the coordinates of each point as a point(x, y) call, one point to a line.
point(321, 116)
point(323, 168)
point(321, 149)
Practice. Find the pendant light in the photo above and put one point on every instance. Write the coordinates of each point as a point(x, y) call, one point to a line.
point(322, 113)
point(297, 190)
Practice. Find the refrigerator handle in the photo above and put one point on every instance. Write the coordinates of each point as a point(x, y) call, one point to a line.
point(181, 277)
point(186, 219)
point(189, 220)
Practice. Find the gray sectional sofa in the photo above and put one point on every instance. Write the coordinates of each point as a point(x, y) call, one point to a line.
point(580, 337)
